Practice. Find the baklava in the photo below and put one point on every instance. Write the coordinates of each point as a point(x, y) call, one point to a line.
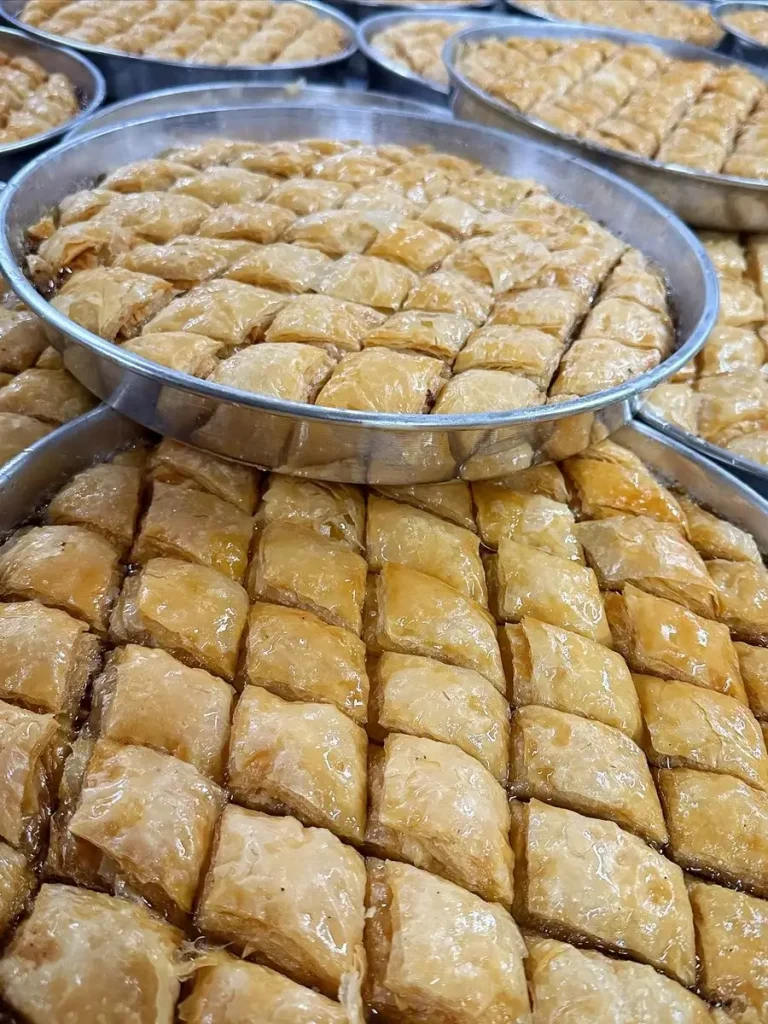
point(689, 23)
point(34, 100)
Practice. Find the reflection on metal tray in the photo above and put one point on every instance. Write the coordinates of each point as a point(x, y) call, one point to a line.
point(241, 94)
point(359, 9)
point(87, 80)
point(385, 74)
point(755, 474)
point(33, 477)
point(127, 76)
point(716, 201)
point(340, 444)
point(736, 42)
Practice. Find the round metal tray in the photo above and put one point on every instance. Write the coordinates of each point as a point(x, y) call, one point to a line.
point(127, 75)
point(333, 443)
point(385, 74)
point(87, 80)
point(359, 9)
point(716, 201)
point(240, 94)
point(736, 42)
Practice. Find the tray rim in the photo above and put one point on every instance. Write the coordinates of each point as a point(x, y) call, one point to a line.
point(541, 27)
point(722, 8)
point(382, 421)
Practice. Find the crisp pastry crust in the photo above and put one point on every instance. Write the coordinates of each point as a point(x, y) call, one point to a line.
point(650, 555)
point(336, 511)
point(504, 512)
point(690, 727)
point(551, 667)
point(46, 658)
point(152, 817)
point(662, 638)
point(227, 989)
point(175, 463)
point(379, 380)
point(191, 611)
point(526, 351)
point(104, 498)
point(183, 262)
point(422, 697)
point(569, 986)
point(677, 403)
point(419, 540)
point(288, 268)
point(486, 391)
point(228, 311)
point(28, 758)
point(731, 931)
point(451, 501)
point(297, 656)
point(291, 895)
point(17, 883)
point(438, 808)
point(742, 598)
point(408, 612)
point(149, 698)
point(33, 100)
point(430, 334)
point(123, 957)
point(22, 340)
point(321, 320)
point(588, 880)
point(184, 352)
point(113, 303)
point(217, 186)
point(52, 396)
point(280, 761)
point(64, 567)
point(439, 953)
point(586, 766)
point(416, 46)
point(704, 812)
point(732, 405)
point(527, 581)
point(296, 566)
point(753, 663)
point(252, 222)
point(715, 538)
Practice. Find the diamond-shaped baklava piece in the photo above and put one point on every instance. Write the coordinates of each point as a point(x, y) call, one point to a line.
point(531, 519)
point(182, 351)
point(447, 292)
point(742, 598)
point(287, 268)
point(288, 371)
point(49, 395)
point(104, 498)
point(191, 611)
point(218, 186)
point(249, 221)
point(176, 463)
point(336, 511)
point(22, 340)
point(322, 320)
point(438, 952)
point(368, 280)
point(715, 538)
point(185, 261)
point(451, 501)
point(112, 302)
point(29, 755)
point(429, 334)
point(437, 807)
point(293, 896)
point(753, 662)
point(380, 380)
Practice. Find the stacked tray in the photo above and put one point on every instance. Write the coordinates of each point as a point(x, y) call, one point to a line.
point(705, 200)
point(341, 443)
point(127, 75)
point(738, 41)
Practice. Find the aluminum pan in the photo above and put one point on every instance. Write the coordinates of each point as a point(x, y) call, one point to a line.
point(738, 43)
point(341, 444)
point(385, 74)
point(127, 76)
point(238, 94)
point(87, 80)
point(33, 477)
point(716, 201)
point(360, 9)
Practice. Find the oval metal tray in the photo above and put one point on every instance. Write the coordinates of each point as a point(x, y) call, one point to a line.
point(341, 444)
point(360, 9)
point(87, 80)
point(240, 94)
point(736, 42)
point(716, 201)
point(33, 477)
point(127, 75)
point(385, 74)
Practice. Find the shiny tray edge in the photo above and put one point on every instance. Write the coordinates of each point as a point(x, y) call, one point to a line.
point(747, 45)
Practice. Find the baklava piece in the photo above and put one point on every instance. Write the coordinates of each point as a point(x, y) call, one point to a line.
point(124, 960)
point(17, 433)
point(336, 511)
point(586, 880)
point(368, 280)
point(218, 186)
point(248, 221)
point(146, 176)
point(17, 882)
point(715, 538)
point(297, 656)
point(486, 391)
point(332, 232)
point(675, 402)
point(148, 698)
point(152, 818)
point(104, 498)
point(379, 380)
point(308, 195)
point(322, 320)
point(732, 936)
point(409, 612)
point(84, 245)
point(64, 567)
point(597, 364)
point(753, 662)
point(286, 268)
point(551, 667)
point(175, 463)
point(421, 697)
point(438, 808)
point(718, 826)
point(554, 311)
point(186, 261)
point(191, 611)
point(451, 501)
point(742, 598)
point(196, 527)
point(662, 638)
point(182, 351)
point(112, 302)
point(291, 372)
point(295, 566)
point(30, 753)
point(586, 766)
point(532, 519)
point(52, 396)
point(526, 581)
point(437, 952)
point(430, 334)
point(525, 351)
point(447, 292)
point(414, 244)
point(690, 727)
point(293, 896)
point(46, 658)
point(308, 760)
point(22, 340)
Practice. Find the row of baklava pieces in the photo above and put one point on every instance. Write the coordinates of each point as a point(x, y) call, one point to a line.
point(31, 100)
point(402, 759)
point(36, 393)
point(417, 45)
point(204, 33)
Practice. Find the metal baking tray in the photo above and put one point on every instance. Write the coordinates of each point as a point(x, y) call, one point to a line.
point(736, 42)
point(384, 74)
point(89, 88)
point(340, 444)
point(240, 94)
point(716, 201)
point(28, 481)
point(127, 76)
point(359, 9)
